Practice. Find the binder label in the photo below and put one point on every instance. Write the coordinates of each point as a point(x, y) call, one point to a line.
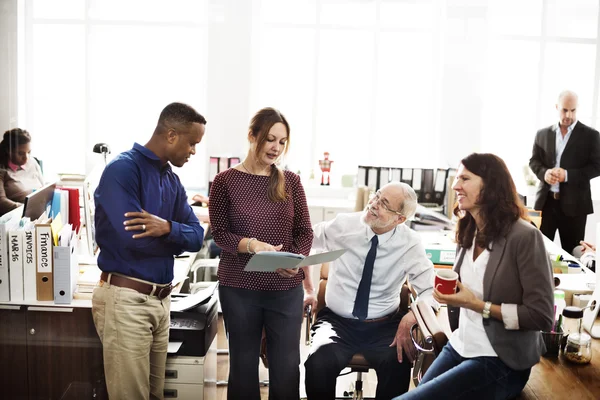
point(44, 262)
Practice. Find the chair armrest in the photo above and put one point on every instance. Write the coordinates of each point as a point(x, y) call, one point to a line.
point(428, 338)
point(431, 324)
point(309, 316)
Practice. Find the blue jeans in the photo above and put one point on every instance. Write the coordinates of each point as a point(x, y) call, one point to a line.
point(454, 377)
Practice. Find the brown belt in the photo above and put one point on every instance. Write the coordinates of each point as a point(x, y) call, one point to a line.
point(555, 195)
point(145, 288)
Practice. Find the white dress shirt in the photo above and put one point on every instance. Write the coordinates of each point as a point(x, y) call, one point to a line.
point(561, 143)
point(400, 253)
point(470, 339)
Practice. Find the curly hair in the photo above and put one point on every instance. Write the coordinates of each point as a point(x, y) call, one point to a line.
point(13, 138)
point(498, 201)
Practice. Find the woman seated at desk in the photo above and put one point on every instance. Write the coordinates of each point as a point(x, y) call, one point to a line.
point(20, 174)
point(505, 292)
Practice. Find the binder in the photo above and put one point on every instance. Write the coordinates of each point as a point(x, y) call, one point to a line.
point(416, 182)
point(361, 179)
point(373, 178)
point(396, 174)
point(44, 258)
point(427, 192)
point(440, 186)
point(8, 222)
point(15, 262)
point(384, 177)
point(29, 264)
point(66, 267)
point(4, 280)
point(74, 212)
point(407, 177)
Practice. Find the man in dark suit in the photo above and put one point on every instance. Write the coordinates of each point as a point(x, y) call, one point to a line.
point(565, 157)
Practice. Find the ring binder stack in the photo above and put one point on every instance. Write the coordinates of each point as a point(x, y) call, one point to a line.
point(430, 185)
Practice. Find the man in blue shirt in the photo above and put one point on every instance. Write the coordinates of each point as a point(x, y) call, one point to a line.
point(142, 220)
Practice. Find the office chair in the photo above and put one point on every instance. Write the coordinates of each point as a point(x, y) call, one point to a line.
point(40, 163)
point(427, 335)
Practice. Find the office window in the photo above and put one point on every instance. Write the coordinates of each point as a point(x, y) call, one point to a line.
point(573, 18)
point(511, 89)
point(568, 66)
point(285, 76)
point(405, 100)
point(101, 71)
point(56, 89)
point(515, 17)
point(344, 98)
point(58, 9)
point(353, 13)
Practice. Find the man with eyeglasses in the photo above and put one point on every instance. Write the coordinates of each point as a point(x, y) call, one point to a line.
point(362, 313)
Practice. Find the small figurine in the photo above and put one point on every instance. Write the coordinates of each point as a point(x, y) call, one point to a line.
point(325, 165)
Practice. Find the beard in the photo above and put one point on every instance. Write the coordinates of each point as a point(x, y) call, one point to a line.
point(377, 224)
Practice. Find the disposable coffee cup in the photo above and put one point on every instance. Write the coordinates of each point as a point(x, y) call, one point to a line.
point(445, 281)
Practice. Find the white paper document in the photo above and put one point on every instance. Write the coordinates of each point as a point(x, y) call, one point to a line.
point(192, 300)
point(269, 261)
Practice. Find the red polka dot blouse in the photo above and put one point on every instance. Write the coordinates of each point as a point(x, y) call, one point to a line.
point(239, 208)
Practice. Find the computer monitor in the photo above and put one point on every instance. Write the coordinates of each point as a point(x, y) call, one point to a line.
point(39, 201)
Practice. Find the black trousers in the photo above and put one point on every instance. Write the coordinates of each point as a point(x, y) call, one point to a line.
point(335, 340)
point(245, 313)
point(570, 229)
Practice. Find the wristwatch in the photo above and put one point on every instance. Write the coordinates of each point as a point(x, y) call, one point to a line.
point(486, 309)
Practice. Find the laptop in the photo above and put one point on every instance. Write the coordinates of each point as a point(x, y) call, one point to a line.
point(39, 201)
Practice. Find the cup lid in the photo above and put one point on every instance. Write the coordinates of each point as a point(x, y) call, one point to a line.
point(572, 312)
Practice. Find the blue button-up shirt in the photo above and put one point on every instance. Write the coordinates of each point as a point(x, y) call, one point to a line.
point(133, 181)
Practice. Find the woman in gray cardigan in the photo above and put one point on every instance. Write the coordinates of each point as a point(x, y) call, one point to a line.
point(505, 292)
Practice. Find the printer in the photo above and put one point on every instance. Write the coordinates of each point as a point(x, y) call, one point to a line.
point(191, 368)
point(195, 328)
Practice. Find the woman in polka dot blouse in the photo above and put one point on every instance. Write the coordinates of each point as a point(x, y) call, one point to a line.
point(255, 206)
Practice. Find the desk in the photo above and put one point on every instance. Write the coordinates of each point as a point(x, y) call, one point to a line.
point(556, 378)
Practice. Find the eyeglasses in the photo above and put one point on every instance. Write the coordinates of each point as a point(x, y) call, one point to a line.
point(377, 199)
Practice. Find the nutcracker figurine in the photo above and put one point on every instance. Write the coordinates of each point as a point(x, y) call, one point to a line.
point(325, 165)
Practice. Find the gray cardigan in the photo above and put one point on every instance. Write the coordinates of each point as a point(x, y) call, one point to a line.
point(519, 272)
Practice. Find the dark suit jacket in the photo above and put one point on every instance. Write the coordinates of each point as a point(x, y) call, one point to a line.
point(518, 272)
point(581, 159)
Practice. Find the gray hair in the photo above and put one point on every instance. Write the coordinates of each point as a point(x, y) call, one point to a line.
point(409, 199)
point(567, 93)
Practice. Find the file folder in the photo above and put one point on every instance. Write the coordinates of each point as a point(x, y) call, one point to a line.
point(44, 279)
point(29, 265)
point(270, 261)
point(66, 271)
point(15, 253)
point(4, 279)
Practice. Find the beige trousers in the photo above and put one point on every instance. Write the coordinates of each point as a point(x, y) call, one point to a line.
point(134, 330)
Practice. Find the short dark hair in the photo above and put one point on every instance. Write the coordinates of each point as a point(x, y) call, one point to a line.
point(13, 138)
point(179, 113)
point(498, 200)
